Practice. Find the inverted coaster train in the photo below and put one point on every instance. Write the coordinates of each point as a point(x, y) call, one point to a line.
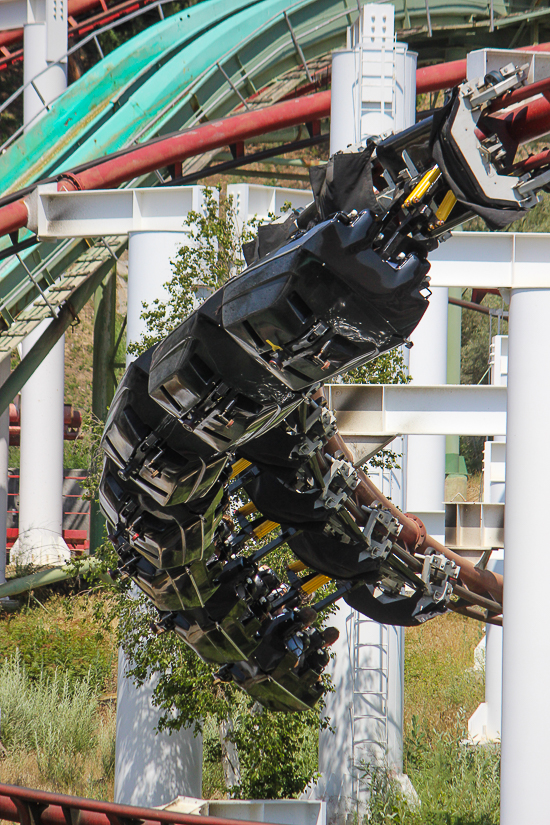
point(219, 446)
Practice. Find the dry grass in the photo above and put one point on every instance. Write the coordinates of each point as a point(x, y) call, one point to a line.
point(60, 632)
point(475, 487)
point(22, 768)
point(441, 689)
point(79, 341)
point(55, 735)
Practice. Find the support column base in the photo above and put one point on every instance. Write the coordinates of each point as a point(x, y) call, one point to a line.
point(41, 548)
point(479, 729)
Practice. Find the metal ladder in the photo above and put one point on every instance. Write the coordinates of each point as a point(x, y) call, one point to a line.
point(369, 711)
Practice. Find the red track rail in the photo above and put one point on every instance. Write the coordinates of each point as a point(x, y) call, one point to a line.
point(72, 422)
point(31, 807)
point(446, 75)
point(525, 123)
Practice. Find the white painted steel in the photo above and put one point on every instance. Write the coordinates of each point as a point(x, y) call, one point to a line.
point(151, 768)
point(425, 454)
point(50, 78)
point(41, 465)
point(492, 259)
point(474, 525)
point(482, 61)
point(5, 370)
point(525, 791)
point(252, 200)
point(149, 268)
point(366, 708)
point(13, 14)
point(493, 664)
point(485, 723)
point(41, 480)
point(277, 811)
point(406, 409)
point(344, 106)
point(54, 214)
point(386, 73)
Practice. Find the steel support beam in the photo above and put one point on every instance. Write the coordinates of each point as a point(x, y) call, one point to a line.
point(493, 260)
point(103, 382)
point(402, 409)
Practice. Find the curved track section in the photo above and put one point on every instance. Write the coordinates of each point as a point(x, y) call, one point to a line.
point(137, 93)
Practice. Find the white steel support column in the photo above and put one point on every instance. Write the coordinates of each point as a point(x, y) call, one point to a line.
point(52, 77)
point(42, 397)
point(41, 480)
point(373, 91)
point(425, 462)
point(150, 768)
point(44, 60)
point(493, 665)
point(525, 791)
point(149, 268)
point(4, 461)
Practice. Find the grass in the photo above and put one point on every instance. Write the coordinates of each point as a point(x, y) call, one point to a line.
point(57, 730)
point(59, 634)
point(59, 735)
point(456, 783)
point(441, 688)
point(53, 733)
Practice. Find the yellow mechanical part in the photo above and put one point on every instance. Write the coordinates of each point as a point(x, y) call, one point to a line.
point(422, 187)
point(264, 528)
point(296, 566)
point(314, 584)
point(273, 346)
point(445, 208)
point(239, 466)
point(247, 509)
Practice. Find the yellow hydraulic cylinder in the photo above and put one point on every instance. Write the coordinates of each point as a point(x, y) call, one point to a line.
point(247, 509)
point(445, 208)
point(423, 186)
point(297, 566)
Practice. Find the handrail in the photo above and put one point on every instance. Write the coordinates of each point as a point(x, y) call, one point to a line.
point(108, 27)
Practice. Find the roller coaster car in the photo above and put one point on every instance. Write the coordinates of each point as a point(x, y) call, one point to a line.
point(219, 447)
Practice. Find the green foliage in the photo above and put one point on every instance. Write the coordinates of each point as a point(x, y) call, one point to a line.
point(389, 368)
point(456, 784)
point(44, 644)
point(441, 687)
point(266, 742)
point(211, 258)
